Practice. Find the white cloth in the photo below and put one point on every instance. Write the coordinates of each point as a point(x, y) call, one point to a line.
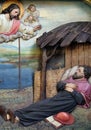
point(5, 25)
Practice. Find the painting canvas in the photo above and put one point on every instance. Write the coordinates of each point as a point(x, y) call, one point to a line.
point(20, 56)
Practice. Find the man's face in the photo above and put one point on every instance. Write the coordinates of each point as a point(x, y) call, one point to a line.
point(79, 73)
point(14, 13)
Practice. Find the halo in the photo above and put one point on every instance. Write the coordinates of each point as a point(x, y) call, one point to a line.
point(9, 2)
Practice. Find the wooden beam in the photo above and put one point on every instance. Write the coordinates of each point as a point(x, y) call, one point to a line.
point(81, 54)
point(68, 58)
point(89, 56)
point(43, 76)
point(86, 54)
point(74, 52)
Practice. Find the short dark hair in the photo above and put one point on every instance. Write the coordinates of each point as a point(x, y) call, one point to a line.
point(87, 71)
point(10, 8)
point(30, 6)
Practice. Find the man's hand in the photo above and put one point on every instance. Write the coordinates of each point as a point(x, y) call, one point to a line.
point(69, 89)
point(71, 85)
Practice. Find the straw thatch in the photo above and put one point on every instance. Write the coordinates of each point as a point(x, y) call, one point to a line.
point(53, 76)
point(37, 84)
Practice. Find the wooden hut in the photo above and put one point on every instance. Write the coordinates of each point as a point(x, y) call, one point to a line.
point(74, 39)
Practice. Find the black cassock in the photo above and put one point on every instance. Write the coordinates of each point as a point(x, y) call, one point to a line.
point(62, 102)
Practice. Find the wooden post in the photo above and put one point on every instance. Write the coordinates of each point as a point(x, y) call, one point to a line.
point(19, 76)
point(43, 76)
point(45, 59)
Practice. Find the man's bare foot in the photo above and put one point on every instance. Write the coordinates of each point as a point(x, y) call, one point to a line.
point(10, 115)
point(16, 119)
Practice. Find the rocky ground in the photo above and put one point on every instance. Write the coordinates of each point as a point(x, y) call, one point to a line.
point(17, 99)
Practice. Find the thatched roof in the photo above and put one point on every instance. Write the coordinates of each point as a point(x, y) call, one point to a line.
point(64, 35)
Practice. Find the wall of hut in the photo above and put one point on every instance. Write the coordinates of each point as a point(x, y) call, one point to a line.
point(75, 54)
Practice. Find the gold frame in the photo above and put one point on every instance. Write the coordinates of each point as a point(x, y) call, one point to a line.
point(88, 2)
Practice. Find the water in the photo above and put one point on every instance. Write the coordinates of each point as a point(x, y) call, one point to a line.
point(10, 78)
